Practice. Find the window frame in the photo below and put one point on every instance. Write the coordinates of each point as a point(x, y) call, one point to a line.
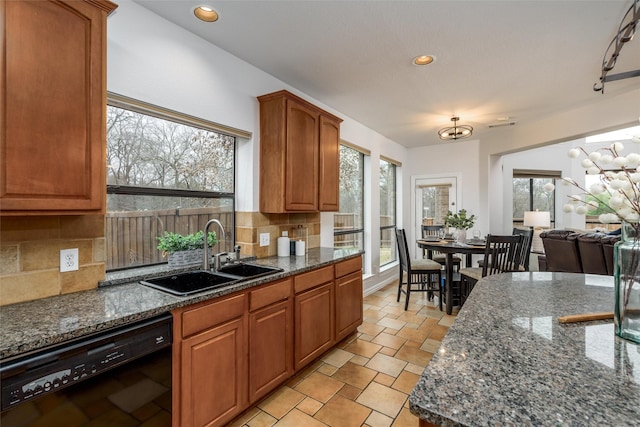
point(361, 230)
point(394, 165)
point(118, 101)
point(530, 175)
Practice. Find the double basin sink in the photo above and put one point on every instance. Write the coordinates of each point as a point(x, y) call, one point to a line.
point(192, 282)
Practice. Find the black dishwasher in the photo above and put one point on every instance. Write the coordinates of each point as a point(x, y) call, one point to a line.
point(118, 377)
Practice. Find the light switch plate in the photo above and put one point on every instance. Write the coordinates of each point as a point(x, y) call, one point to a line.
point(68, 260)
point(264, 239)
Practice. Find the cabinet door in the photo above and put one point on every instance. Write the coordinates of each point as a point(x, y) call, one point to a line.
point(348, 304)
point(301, 170)
point(214, 375)
point(270, 348)
point(329, 173)
point(52, 108)
point(314, 324)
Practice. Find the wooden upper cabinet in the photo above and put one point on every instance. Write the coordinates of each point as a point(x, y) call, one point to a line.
point(329, 178)
point(299, 155)
point(301, 165)
point(53, 107)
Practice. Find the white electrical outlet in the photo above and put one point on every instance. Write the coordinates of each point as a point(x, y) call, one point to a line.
point(264, 239)
point(68, 260)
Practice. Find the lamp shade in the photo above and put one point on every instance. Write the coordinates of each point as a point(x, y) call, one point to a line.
point(537, 219)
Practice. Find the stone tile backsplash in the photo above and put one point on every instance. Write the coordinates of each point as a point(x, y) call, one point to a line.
point(249, 226)
point(30, 249)
point(30, 255)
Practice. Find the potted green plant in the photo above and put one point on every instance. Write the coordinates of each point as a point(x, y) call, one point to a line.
point(184, 250)
point(461, 222)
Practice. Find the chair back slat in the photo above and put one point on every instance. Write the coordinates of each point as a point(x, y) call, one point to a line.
point(403, 250)
point(524, 248)
point(431, 230)
point(500, 254)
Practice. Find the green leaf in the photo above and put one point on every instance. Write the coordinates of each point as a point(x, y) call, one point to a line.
point(175, 242)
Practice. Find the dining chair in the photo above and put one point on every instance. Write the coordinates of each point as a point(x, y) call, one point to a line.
point(500, 255)
point(431, 231)
point(419, 272)
point(524, 249)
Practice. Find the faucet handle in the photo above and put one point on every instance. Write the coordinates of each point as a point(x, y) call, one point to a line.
point(216, 260)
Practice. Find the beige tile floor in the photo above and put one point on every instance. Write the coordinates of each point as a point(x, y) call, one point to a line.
point(366, 380)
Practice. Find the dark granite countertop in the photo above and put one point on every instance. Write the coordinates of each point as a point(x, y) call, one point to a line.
point(29, 326)
point(507, 361)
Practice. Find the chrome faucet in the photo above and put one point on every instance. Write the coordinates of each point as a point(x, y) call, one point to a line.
point(205, 263)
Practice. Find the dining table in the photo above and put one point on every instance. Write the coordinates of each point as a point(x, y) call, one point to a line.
point(449, 248)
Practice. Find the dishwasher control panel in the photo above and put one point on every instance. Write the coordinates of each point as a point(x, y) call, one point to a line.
point(69, 363)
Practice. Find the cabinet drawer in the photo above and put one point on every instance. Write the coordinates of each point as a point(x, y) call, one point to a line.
point(349, 266)
point(305, 281)
point(213, 314)
point(270, 294)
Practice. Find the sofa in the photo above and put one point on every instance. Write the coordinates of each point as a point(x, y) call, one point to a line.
point(577, 252)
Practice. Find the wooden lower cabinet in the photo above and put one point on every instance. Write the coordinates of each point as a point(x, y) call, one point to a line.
point(210, 362)
point(270, 338)
point(231, 351)
point(314, 324)
point(348, 304)
point(214, 377)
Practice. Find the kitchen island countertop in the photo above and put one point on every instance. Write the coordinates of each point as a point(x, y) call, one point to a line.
point(33, 325)
point(507, 361)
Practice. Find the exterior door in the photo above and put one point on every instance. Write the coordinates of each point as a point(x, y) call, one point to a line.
point(432, 198)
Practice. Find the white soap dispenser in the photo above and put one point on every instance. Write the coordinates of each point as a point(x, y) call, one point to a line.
point(283, 244)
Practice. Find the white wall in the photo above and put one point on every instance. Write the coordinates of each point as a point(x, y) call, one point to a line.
point(448, 159)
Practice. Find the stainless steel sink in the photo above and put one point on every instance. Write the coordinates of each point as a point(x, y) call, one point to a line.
point(191, 282)
point(199, 281)
point(248, 271)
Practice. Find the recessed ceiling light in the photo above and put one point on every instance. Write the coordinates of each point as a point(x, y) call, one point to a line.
point(423, 59)
point(205, 13)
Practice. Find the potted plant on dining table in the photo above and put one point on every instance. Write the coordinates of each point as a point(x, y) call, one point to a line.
point(461, 221)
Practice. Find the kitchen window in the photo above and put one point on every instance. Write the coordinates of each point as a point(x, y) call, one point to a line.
point(166, 172)
point(348, 223)
point(387, 212)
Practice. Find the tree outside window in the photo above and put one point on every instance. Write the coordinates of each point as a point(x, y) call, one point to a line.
point(348, 223)
point(163, 175)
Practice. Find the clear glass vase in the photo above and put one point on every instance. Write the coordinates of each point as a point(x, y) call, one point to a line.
point(626, 275)
point(461, 235)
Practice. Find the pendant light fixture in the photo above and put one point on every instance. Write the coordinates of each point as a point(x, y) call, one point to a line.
point(456, 131)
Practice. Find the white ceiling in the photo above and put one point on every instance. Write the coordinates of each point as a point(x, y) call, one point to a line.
point(518, 59)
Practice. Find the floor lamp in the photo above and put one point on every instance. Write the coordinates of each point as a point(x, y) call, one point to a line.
point(537, 220)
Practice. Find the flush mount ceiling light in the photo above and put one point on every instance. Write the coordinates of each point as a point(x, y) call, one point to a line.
point(456, 131)
point(423, 60)
point(205, 13)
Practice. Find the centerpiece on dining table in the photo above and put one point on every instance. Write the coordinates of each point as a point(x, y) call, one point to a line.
point(461, 221)
point(617, 195)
